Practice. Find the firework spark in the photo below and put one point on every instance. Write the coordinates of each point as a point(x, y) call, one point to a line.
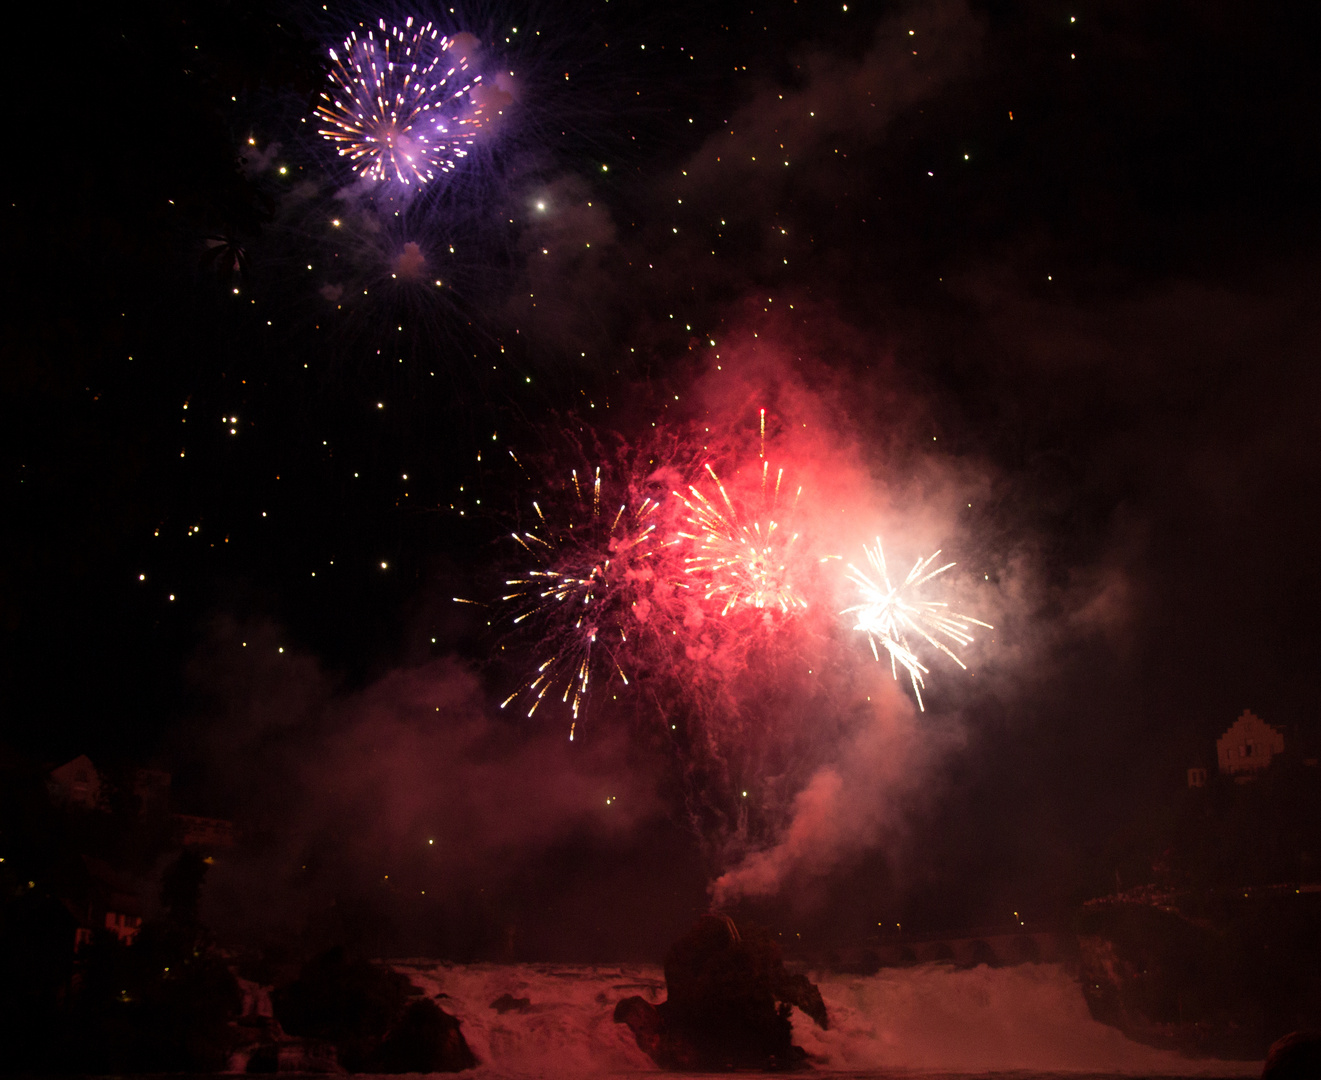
point(400, 105)
point(890, 614)
point(744, 562)
point(583, 591)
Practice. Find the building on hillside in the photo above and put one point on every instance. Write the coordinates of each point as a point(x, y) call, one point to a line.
point(1197, 777)
point(77, 783)
point(1248, 746)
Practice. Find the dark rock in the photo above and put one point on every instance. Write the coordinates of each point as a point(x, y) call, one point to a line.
point(798, 990)
point(347, 1001)
point(1295, 1057)
point(1210, 973)
point(729, 1003)
point(426, 1040)
point(372, 1016)
point(644, 1020)
point(508, 1003)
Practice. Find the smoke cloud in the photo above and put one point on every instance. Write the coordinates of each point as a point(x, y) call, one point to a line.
point(407, 802)
point(859, 803)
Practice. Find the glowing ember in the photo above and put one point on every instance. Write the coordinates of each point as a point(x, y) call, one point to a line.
point(890, 613)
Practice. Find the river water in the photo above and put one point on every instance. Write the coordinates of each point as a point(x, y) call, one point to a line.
point(931, 1020)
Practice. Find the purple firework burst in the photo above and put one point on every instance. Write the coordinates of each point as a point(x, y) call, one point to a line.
point(400, 104)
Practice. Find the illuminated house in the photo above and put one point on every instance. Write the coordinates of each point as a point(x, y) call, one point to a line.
point(1248, 746)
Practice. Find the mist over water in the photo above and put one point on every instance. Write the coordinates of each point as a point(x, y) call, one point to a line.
point(927, 1019)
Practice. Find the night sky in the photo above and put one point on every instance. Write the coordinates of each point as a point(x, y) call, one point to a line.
point(1032, 282)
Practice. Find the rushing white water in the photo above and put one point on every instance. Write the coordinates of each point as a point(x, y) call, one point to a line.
point(928, 1019)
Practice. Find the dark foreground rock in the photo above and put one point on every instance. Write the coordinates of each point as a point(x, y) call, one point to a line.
point(376, 1019)
point(426, 1039)
point(1297, 1056)
point(728, 1006)
point(1208, 973)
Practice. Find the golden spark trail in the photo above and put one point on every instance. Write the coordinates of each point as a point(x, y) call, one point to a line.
point(743, 561)
point(579, 593)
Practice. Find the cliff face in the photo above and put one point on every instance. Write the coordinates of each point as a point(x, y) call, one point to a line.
point(1220, 974)
point(729, 1003)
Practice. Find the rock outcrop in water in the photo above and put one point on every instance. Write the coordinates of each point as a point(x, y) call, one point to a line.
point(375, 1018)
point(729, 1003)
point(1297, 1056)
